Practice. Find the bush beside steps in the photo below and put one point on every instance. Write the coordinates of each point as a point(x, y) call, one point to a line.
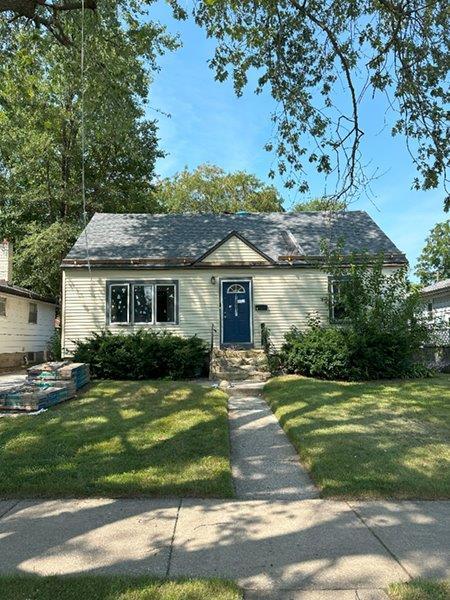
point(143, 355)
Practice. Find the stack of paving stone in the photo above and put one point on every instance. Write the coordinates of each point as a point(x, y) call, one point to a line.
point(30, 397)
point(62, 372)
point(47, 384)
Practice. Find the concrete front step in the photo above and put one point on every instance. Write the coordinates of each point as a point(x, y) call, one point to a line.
point(241, 376)
point(231, 364)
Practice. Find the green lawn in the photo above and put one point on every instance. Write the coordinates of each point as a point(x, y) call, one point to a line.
point(369, 440)
point(121, 439)
point(420, 589)
point(18, 587)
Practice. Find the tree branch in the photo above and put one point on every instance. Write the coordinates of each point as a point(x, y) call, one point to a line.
point(48, 19)
point(356, 131)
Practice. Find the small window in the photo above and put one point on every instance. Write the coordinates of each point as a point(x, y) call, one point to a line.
point(165, 303)
point(2, 306)
point(32, 312)
point(143, 303)
point(337, 307)
point(236, 288)
point(430, 310)
point(119, 303)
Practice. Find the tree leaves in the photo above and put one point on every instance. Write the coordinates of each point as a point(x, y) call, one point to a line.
point(434, 262)
point(40, 116)
point(306, 52)
point(209, 189)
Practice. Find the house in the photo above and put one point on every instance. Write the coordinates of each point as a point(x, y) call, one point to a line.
point(436, 299)
point(27, 320)
point(217, 276)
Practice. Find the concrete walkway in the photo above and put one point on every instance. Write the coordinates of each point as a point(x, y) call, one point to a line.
point(265, 464)
point(302, 549)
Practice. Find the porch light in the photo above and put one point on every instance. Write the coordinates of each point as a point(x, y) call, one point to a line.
point(213, 280)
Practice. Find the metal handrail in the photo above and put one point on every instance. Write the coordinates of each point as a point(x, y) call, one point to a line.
point(213, 331)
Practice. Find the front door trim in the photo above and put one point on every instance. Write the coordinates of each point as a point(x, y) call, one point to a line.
point(229, 280)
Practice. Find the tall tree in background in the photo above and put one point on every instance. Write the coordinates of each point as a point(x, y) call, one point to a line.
point(308, 52)
point(323, 204)
point(209, 189)
point(40, 138)
point(434, 262)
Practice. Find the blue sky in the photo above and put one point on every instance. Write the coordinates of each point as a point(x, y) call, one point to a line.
point(208, 123)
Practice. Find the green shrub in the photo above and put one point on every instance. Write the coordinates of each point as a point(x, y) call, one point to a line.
point(379, 333)
point(343, 353)
point(143, 355)
point(318, 352)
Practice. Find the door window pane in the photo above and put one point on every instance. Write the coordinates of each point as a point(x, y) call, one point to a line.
point(119, 304)
point(236, 288)
point(142, 303)
point(165, 303)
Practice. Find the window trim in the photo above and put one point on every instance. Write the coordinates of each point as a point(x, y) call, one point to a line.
point(130, 283)
point(119, 284)
point(5, 300)
point(30, 304)
point(131, 299)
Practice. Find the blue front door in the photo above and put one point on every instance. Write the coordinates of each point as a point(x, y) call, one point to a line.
point(236, 312)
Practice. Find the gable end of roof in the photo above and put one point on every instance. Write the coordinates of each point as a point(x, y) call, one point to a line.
point(242, 239)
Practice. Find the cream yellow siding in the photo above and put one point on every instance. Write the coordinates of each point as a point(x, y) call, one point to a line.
point(16, 334)
point(290, 294)
point(234, 250)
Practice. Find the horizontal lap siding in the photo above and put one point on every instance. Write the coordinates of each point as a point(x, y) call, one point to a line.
point(16, 334)
point(291, 295)
point(233, 250)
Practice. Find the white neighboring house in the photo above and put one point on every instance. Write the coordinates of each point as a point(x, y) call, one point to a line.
point(27, 320)
point(437, 301)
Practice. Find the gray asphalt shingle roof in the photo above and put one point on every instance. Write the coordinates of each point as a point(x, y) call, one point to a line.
point(16, 290)
point(149, 236)
point(439, 286)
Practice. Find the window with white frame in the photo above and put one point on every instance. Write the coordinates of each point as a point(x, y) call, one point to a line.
point(338, 310)
point(142, 302)
point(32, 312)
point(2, 306)
point(119, 303)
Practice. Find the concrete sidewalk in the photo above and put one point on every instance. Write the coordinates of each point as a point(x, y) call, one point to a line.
point(273, 549)
point(265, 465)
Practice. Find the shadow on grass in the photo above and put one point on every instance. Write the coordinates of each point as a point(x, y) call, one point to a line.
point(121, 439)
point(376, 439)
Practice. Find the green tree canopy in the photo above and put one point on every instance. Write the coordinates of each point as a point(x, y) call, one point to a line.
point(323, 204)
point(434, 262)
point(209, 189)
point(307, 52)
point(40, 131)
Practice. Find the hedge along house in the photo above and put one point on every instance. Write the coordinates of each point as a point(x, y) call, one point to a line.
point(27, 320)
point(217, 276)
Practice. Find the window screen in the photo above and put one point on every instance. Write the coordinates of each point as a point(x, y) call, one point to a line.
point(143, 303)
point(165, 303)
point(32, 312)
point(119, 303)
point(2, 307)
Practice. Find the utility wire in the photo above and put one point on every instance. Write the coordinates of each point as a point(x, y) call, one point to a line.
point(83, 141)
